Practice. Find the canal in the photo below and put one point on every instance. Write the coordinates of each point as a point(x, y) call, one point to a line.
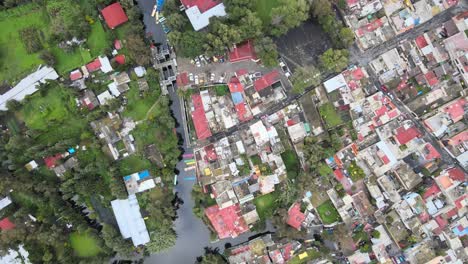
point(192, 234)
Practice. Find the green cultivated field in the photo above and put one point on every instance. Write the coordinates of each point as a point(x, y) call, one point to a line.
point(15, 61)
point(263, 8)
point(84, 245)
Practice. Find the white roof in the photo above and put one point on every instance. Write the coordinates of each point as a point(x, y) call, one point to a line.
point(104, 97)
point(146, 185)
point(140, 71)
point(131, 223)
point(201, 20)
point(28, 85)
point(113, 89)
point(206, 100)
point(383, 147)
point(105, 64)
point(240, 147)
point(335, 83)
point(20, 256)
point(297, 132)
point(5, 202)
point(260, 133)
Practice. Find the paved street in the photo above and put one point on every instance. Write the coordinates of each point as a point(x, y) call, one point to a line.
point(363, 58)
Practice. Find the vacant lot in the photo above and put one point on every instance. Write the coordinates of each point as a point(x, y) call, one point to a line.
point(329, 114)
point(328, 213)
point(266, 204)
point(84, 244)
point(263, 8)
point(134, 163)
point(292, 163)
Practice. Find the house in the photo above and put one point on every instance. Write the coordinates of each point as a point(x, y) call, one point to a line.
point(129, 219)
point(28, 85)
point(199, 12)
point(120, 59)
point(140, 71)
point(104, 97)
point(295, 216)
point(227, 222)
point(200, 121)
point(100, 63)
point(4, 202)
point(75, 75)
point(259, 133)
point(32, 165)
point(114, 15)
point(389, 65)
point(20, 256)
point(266, 81)
point(139, 182)
point(297, 132)
point(242, 52)
point(89, 100)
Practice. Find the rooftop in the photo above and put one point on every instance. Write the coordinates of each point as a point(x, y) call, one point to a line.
point(227, 222)
point(295, 216)
point(114, 15)
point(199, 12)
point(243, 51)
point(200, 121)
point(266, 80)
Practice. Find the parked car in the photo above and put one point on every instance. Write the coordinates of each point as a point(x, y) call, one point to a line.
point(196, 79)
point(384, 88)
point(212, 77)
point(190, 76)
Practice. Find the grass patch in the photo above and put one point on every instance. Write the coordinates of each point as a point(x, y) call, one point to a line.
point(292, 163)
point(85, 55)
point(263, 9)
point(84, 244)
point(98, 39)
point(15, 59)
point(311, 255)
point(355, 172)
point(324, 170)
point(328, 213)
point(329, 114)
point(221, 90)
point(266, 204)
point(138, 106)
point(256, 160)
point(133, 163)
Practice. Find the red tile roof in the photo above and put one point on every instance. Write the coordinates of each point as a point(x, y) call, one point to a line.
point(295, 216)
point(227, 221)
point(200, 121)
point(266, 80)
point(75, 75)
point(459, 139)
point(243, 51)
point(369, 27)
point(117, 44)
point(94, 65)
point(203, 5)
point(211, 153)
point(456, 109)
point(235, 85)
point(242, 112)
point(120, 59)
point(182, 79)
point(457, 174)
point(432, 153)
point(6, 224)
point(434, 189)
point(338, 174)
point(404, 136)
point(358, 74)
point(114, 15)
point(421, 42)
point(51, 161)
point(441, 221)
point(431, 78)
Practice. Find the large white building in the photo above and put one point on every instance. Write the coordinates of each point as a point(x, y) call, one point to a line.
point(199, 12)
point(28, 85)
point(131, 223)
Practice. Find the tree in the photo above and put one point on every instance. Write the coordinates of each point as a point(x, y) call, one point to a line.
point(266, 51)
point(321, 8)
point(48, 57)
point(313, 152)
point(161, 239)
point(334, 60)
point(304, 77)
point(188, 44)
point(346, 37)
point(13, 105)
point(375, 234)
point(114, 241)
point(137, 49)
point(251, 26)
point(177, 22)
point(288, 14)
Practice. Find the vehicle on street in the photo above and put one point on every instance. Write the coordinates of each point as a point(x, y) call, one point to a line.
point(190, 76)
point(196, 79)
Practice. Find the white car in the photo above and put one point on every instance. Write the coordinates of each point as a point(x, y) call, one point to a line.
point(190, 76)
point(196, 79)
point(212, 78)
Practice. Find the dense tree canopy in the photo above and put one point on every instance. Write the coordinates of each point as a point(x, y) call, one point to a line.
point(334, 60)
point(305, 77)
point(289, 14)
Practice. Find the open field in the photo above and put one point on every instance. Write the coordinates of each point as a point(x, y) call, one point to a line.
point(328, 213)
point(84, 245)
